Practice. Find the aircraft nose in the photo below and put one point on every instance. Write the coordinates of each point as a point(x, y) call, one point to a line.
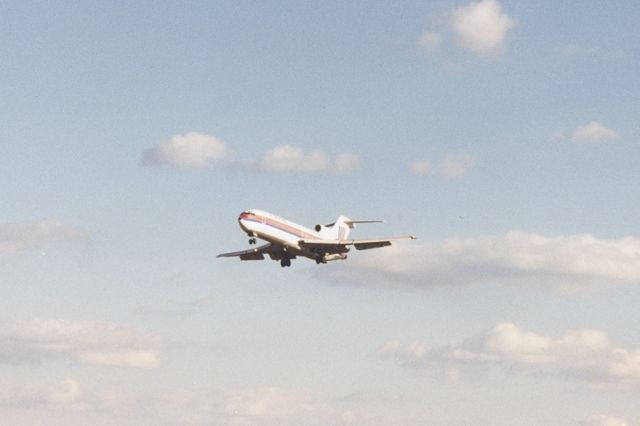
point(244, 220)
point(242, 223)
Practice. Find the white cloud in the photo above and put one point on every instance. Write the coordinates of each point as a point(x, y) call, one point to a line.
point(128, 401)
point(191, 150)
point(23, 395)
point(267, 403)
point(451, 166)
point(277, 406)
point(71, 401)
point(481, 26)
point(85, 342)
point(420, 167)
point(196, 150)
point(454, 166)
point(602, 420)
point(17, 236)
point(563, 262)
point(590, 132)
point(586, 354)
point(287, 158)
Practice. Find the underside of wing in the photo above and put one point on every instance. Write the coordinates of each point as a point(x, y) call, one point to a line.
point(251, 254)
point(340, 245)
point(274, 251)
point(371, 245)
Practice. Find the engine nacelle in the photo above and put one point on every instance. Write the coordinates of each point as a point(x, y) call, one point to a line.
point(337, 256)
point(319, 227)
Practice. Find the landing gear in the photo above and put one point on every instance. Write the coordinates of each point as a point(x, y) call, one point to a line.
point(252, 241)
point(286, 262)
point(320, 259)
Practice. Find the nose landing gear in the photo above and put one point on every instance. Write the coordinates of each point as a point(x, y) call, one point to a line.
point(252, 241)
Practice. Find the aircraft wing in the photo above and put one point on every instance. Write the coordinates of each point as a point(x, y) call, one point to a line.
point(251, 254)
point(337, 245)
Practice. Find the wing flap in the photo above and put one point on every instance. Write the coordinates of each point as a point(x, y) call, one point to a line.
point(366, 246)
point(359, 244)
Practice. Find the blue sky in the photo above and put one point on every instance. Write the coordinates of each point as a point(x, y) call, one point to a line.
point(503, 134)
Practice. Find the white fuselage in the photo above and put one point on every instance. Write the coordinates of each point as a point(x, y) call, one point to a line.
point(278, 231)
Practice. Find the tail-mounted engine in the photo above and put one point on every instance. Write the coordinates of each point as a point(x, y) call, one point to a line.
point(321, 227)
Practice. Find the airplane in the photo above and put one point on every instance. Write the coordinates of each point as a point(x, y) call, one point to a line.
point(287, 240)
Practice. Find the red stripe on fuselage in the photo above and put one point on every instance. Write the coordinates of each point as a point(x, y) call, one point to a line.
point(279, 225)
point(282, 226)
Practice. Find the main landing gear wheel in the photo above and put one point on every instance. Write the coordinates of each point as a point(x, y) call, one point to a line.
point(285, 262)
point(252, 241)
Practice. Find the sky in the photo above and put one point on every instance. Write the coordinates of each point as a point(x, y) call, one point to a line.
point(503, 134)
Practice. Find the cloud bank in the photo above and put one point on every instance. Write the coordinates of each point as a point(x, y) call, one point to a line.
point(83, 342)
point(517, 258)
point(585, 354)
point(18, 236)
